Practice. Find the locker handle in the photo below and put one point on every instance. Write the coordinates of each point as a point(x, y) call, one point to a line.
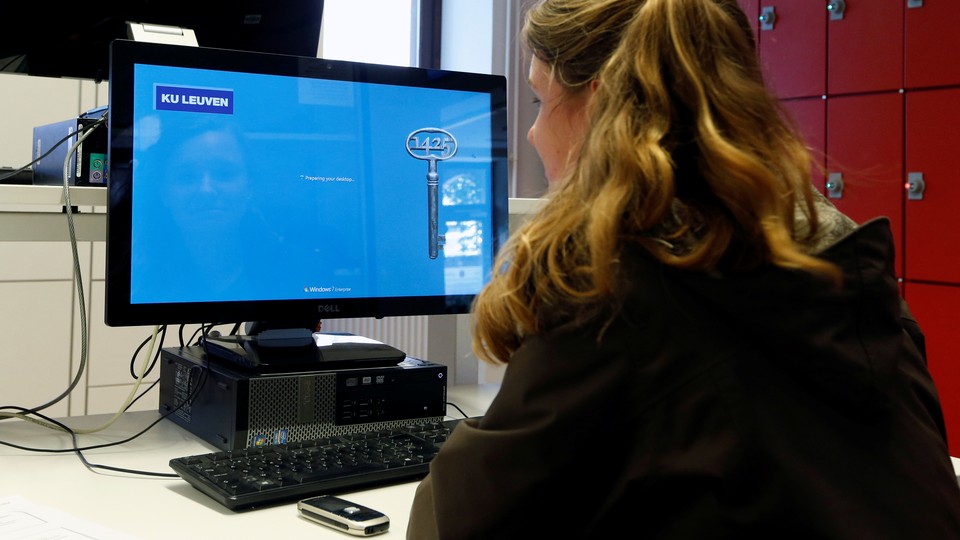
point(836, 9)
point(835, 185)
point(915, 186)
point(768, 17)
point(914, 4)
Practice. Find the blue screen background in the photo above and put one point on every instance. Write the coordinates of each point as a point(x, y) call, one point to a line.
point(306, 190)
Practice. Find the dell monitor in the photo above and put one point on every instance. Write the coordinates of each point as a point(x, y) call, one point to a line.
point(282, 189)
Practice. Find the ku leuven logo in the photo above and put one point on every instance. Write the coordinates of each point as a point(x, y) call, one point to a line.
point(201, 100)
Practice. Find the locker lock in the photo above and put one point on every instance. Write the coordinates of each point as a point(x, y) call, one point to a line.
point(835, 185)
point(836, 9)
point(768, 17)
point(915, 186)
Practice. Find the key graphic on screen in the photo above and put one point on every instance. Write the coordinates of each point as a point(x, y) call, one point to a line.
point(432, 145)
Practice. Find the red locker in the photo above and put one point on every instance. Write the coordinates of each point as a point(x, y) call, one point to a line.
point(937, 308)
point(865, 159)
point(933, 222)
point(932, 41)
point(865, 46)
point(793, 46)
point(810, 115)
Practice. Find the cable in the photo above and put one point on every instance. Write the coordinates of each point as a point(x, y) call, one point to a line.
point(454, 405)
point(145, 392)
point(201, 331)
point(146, 367)
point(45, 421)
point(133, 391)
point(114, 418)
point(78, 279)
point(156, 357)
point(81, 299)
point(79, 451)
point(180, 333)
point(54, 424)
point(204, 331)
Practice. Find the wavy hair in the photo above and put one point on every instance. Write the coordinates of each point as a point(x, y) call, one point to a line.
point(687, 155)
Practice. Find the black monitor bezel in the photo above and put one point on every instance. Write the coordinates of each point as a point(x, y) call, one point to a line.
point(120, 311)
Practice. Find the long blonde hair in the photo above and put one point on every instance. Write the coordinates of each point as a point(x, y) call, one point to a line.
point(687, 156)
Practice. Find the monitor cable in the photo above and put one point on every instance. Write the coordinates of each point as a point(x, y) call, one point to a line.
point(81, 135)
point(26, 413)
point(156, 356)
point(68, 208)
point(454, 405)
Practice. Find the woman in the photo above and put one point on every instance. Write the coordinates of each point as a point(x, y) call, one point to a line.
point(698, 344)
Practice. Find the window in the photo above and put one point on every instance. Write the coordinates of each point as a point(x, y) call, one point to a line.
point(375, 31)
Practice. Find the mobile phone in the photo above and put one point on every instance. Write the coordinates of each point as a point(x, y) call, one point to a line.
point(344, 515)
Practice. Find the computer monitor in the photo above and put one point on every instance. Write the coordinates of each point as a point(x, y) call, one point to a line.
point(259, 187)
point(72, 39)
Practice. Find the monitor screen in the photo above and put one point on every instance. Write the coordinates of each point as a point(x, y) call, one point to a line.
point(260, 187)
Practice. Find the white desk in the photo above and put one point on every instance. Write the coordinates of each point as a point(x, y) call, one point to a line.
point(166, 508)
point(33, 213)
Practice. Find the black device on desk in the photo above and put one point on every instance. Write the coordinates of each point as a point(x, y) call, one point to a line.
point(299, 351)
point(234, 408)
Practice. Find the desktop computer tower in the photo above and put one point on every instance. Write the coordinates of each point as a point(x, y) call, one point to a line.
point(88, 167)
point(233, 408)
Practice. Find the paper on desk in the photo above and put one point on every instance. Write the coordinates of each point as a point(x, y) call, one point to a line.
point(23, 520)
point(324, 340)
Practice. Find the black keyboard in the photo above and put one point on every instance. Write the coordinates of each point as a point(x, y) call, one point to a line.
point(261, 476)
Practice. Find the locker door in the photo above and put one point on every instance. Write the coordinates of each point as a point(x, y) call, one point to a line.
point(933, 222)
point(865, 159)
point(937, 309)
point(865, 52)
point(810, 115)
point(932, 41)
point(793, 47)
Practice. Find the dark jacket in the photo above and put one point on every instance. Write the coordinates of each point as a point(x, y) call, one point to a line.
point(773, 405)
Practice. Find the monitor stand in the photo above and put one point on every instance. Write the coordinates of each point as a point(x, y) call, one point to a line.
point(284, 350)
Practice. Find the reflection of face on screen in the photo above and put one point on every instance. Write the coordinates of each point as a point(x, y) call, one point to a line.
point(207, 180)
point(193, 178)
